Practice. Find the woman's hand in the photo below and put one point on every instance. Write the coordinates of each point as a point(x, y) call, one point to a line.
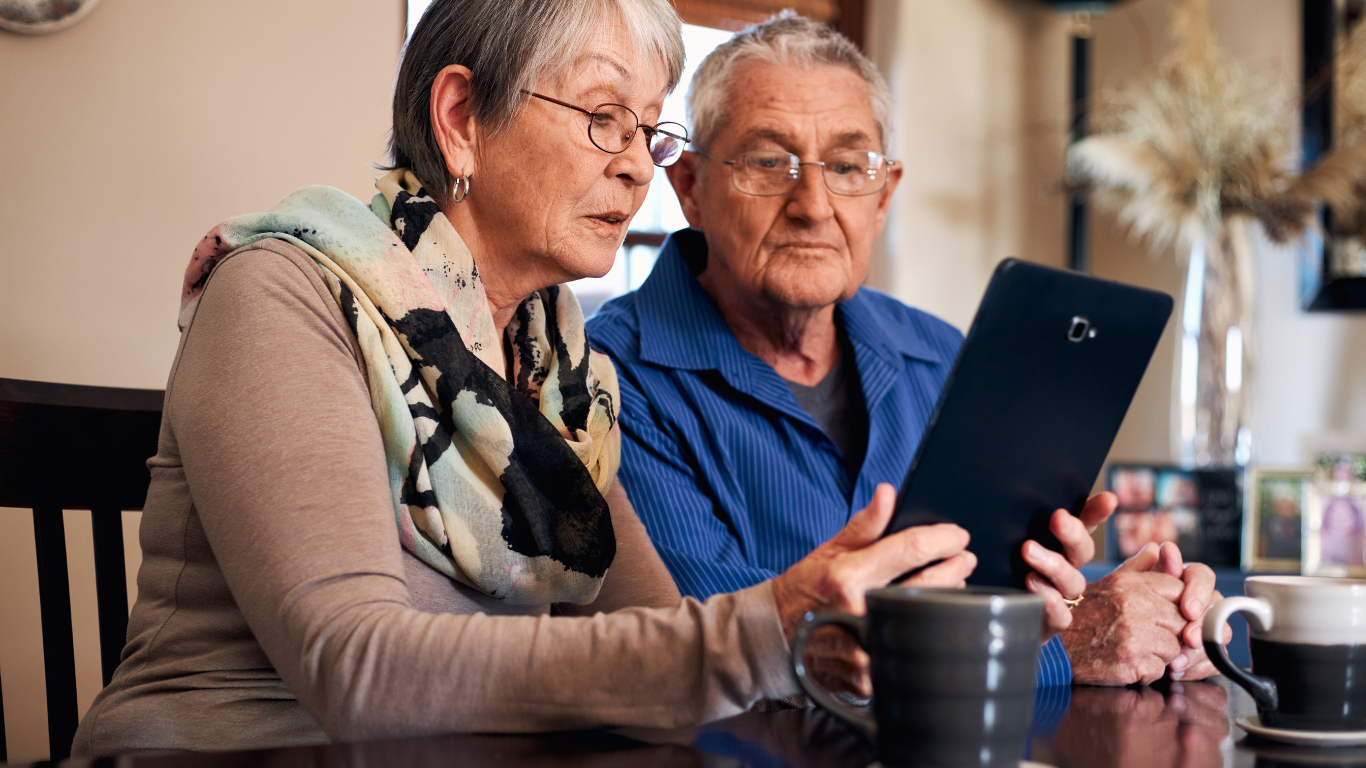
point(1056, 575)
point(835, 576)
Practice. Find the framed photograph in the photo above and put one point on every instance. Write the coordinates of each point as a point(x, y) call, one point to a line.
point(1273, 519)
point(1136, 521)
point(1342, 469)
point(1334, 532)
point(1197, 509)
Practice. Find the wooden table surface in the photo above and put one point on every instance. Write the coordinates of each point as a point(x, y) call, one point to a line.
point(1178, 726)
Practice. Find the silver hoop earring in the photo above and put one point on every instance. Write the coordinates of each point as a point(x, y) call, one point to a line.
point(460, 189)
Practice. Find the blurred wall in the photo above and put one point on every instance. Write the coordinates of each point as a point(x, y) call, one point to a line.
point(980, 110)
point(122, 141)
point(981, 90)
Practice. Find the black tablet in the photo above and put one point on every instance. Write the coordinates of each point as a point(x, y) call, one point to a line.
point(1030, 409)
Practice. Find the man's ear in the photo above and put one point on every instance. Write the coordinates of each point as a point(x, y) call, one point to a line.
point(884, 201)
point(452, 122)
point(683, 177)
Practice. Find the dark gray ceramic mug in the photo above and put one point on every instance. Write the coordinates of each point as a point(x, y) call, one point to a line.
point(953, 674)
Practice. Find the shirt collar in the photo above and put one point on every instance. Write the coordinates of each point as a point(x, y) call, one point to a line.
point(681, 327)
point(866, 321)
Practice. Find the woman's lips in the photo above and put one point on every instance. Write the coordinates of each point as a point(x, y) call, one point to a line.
point(612, 222)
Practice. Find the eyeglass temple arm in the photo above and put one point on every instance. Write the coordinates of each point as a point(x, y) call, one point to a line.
point(590, 114)
point(557, 101)
point(655, 129)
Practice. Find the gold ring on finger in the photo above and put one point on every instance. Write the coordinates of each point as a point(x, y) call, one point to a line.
point(1074, 602)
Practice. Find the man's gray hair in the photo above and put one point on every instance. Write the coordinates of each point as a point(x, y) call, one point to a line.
point(784, 39)
point(509, 46)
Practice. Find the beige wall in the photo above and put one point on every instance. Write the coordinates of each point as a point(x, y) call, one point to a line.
point(122, 141)
point(981, 120)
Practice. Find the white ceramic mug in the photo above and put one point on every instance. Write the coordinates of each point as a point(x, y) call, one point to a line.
point(1308, 641)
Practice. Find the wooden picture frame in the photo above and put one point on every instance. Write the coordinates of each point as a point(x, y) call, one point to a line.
point(1335, 531)
point(1274, 501)
point(847, 16)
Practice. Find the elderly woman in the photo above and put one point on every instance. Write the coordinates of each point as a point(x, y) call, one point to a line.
point(384, 501)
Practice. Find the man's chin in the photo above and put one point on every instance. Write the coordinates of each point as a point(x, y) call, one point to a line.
point(811, 295)
point(808, 284)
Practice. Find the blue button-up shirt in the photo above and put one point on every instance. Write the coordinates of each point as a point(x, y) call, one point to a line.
point(732, 479)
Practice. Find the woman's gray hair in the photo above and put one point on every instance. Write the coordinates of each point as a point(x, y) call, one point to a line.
point(784, 39)
point(509, 46)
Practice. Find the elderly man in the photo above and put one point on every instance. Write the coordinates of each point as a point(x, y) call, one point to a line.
point(766, 395)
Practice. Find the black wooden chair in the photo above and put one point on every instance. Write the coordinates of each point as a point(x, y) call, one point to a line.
point(64, 446)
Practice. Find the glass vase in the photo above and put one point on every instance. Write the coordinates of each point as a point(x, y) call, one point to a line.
point(1215, 362)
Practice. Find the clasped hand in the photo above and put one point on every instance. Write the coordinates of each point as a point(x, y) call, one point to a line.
point(1114, 630)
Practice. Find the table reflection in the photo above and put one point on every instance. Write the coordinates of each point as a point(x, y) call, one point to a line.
point(1184, 726)
point(1176, 725)
point(1181, 725)
point(796, 738)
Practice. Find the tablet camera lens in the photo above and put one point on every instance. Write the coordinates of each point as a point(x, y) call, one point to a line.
point(1077, 331)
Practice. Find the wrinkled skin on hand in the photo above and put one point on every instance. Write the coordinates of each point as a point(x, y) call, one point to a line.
point(1142, 622)
point(1129, 728)
point(835, 576)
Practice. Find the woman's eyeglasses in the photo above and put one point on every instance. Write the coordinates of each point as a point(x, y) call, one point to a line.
point(848, 172)
point(612, 127)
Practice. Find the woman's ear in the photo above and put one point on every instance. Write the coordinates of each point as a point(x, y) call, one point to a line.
point(452, 121)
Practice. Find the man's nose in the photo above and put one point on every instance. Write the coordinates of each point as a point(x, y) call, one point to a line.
point(810, 199)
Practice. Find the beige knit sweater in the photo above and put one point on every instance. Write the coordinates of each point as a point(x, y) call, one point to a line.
point(276, 606)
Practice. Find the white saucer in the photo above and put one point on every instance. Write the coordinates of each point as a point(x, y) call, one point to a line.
point(1253, 725)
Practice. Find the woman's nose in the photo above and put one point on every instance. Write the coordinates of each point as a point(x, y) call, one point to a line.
point(635, 164)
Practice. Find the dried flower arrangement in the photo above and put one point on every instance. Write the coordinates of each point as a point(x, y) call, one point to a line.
point(1197, 144)
point(1189, 157)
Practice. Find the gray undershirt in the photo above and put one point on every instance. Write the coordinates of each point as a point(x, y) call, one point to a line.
point(836, 403)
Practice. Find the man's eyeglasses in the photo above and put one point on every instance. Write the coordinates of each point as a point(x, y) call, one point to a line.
point(848, 172)
point(611, 127)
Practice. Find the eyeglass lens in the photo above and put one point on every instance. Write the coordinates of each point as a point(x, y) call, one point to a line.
point(666, 143)
point(613, 126)
point(847, 172)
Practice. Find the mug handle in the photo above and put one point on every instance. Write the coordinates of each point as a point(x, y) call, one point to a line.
point(854, 625)
point(1258, 614)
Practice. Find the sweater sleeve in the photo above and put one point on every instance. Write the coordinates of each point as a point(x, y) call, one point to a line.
point(284, 462)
